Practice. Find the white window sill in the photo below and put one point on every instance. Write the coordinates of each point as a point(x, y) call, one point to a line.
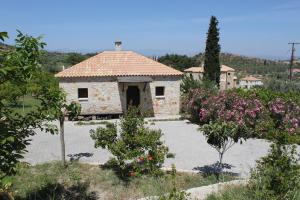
point(83, 99)
point(160, 97)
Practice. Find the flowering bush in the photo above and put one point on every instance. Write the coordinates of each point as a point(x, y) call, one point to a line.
point(229, 107)
point(285, 115)
point(261, 112)
point(137, 150)
point(193, 102)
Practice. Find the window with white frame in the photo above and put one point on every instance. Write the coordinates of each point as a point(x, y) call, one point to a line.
point(160, 91)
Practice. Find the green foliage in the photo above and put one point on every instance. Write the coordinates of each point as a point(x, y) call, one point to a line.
point(54, 61)
point(15, 129)
point(232, 193)
point(266, 95)
point(277, 175)
point(20, 68)
point(137, 150)
point(3, 35)
point(179, 62)
point(283, 86)
point(222, 135)
point(74, 58)
point(212, 68)
point(188, 83)
point(174, 194)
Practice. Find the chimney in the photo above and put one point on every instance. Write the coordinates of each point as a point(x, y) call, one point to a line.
point(118, 45)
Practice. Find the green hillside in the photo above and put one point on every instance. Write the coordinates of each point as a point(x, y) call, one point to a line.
point(242, 64)
point(53, 62)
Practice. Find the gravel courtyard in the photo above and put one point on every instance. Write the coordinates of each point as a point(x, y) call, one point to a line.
point(184, 139)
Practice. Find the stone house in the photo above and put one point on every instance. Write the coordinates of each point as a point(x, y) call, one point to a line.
point(249, 82)
point(107, 83)
point(227, 77)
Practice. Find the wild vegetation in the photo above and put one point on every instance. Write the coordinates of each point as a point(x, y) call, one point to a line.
point(80, 181)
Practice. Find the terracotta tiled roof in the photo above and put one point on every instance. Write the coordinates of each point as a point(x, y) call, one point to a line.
point(295, 70)
point(250, 78)
point(118, 63)
point(224, 68)
point(195, 69)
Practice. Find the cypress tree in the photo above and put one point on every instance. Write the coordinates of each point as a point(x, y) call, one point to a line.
point(212, 53)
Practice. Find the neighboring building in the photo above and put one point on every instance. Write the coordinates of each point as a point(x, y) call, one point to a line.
point(227, 78)
point(295, 72)
point(109, 82)
point(249, 82)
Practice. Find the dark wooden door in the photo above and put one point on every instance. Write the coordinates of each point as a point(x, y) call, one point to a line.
point(133, 96)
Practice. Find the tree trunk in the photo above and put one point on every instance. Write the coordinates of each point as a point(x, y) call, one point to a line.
point(221, 166)
point(23, 104)
point(221, 158)
point(62, 140)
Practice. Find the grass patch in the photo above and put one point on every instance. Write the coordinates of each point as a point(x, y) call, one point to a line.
point(232, 192)
point(84, 181)
point(236, 193)
point(30, 104)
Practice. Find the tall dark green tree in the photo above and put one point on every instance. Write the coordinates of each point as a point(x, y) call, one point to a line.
point(212, 53)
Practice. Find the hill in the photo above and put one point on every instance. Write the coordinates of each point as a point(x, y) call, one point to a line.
point(242, 64)
point(53, 62)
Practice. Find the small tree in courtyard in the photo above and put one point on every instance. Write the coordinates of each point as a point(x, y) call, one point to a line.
point(136, 149)
point(212, 53)
point(228, 119)
point(56, 100)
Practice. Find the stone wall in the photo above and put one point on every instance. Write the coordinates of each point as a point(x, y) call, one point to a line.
point(107, 96)
point(227, 80)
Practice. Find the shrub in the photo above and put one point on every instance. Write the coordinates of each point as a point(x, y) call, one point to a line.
point(189, 83)
point(137, 149)
point(277, 176)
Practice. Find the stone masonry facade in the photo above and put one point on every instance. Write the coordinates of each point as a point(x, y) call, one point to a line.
point(107, 96)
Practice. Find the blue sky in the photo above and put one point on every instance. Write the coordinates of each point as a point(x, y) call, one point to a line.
point(154, 27)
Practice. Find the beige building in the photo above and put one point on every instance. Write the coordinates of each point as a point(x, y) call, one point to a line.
point(109, 82)
point(227, 77)
point(249, 82)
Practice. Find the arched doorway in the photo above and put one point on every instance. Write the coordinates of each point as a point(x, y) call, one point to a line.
point(133, 96)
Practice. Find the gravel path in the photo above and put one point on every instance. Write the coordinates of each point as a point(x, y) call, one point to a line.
point(184, 139)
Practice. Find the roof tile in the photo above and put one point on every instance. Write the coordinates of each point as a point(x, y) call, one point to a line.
point(118, 63)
